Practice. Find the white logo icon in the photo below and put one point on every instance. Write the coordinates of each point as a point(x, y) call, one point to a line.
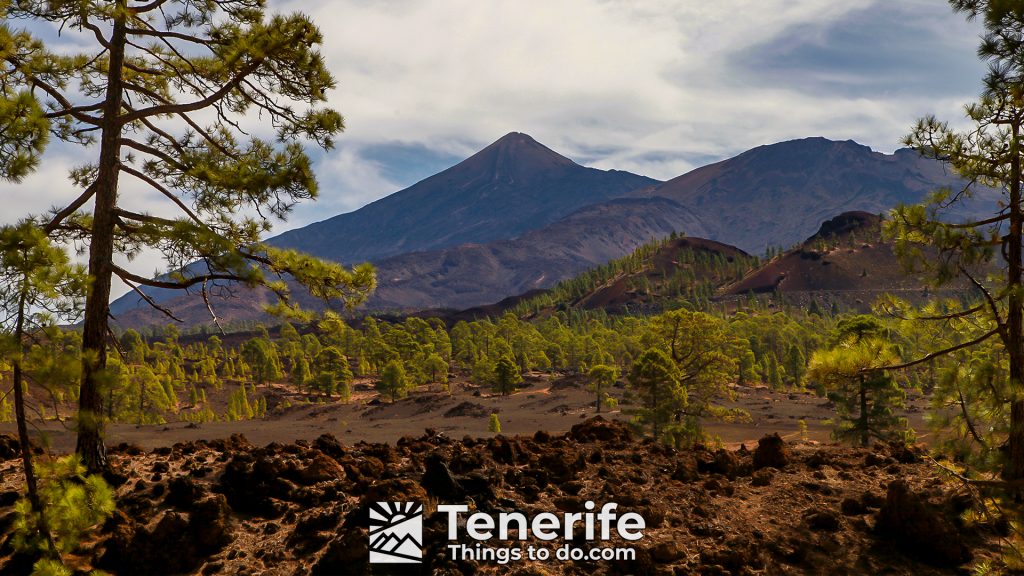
point(396, 533)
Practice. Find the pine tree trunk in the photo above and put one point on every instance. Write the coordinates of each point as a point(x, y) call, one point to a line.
point(1015, 315)
point(101, 250)
point(24, 444)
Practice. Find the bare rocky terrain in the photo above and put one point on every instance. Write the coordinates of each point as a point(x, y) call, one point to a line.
point(230, 507)
point(289, 494)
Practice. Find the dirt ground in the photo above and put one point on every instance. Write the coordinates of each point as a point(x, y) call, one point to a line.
point(541, 403)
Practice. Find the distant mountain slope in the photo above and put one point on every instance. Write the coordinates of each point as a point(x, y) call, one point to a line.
point(846, 262)
point(510, 187)
point(776, 195)
point(846, 254)
point(480, 274)
point(475, 274)
point(517, 217)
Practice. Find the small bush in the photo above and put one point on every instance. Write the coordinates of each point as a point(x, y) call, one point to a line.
point(73, 504)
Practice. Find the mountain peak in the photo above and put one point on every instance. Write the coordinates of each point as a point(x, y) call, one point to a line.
point(514, 185)
point(517, 139)
point(517, 155)
point(814, 145)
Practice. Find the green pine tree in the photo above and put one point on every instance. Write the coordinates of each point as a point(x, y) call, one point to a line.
point(393, 380)
point(602, 377)
point(149, 71)
point(506, 376)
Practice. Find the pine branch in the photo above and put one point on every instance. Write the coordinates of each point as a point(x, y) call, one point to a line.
point(163, 110)
point(170, 195)
point(182, 285)
point(70, 209)
point(149, 300)
point(933, 355)
point(1000, 325)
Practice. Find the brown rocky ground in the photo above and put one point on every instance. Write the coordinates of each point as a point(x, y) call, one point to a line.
point(228, 507)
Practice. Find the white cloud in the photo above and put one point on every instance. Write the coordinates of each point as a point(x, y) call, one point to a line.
point(347, 181)
point(656, 87)
point(639, 79)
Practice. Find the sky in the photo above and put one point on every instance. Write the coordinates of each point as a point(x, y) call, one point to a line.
point(657, 87)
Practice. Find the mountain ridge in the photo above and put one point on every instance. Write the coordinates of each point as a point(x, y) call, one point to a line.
point(510, 187)
point(772, 195)
point(776, 194)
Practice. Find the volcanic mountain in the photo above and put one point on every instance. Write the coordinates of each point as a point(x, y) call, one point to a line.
point(510, 187)
point(769, 196)
point(776, 195)
point(517, 216)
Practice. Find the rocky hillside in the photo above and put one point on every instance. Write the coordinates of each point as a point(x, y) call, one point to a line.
point(227, 507)
point(846, 254)
point(655, 277)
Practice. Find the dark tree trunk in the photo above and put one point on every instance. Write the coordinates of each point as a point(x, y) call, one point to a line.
point(24, 444)
point(101, 251)
point(1015, 315)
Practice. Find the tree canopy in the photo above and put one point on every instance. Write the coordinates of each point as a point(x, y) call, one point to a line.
point(986, 252)
point(163, 96)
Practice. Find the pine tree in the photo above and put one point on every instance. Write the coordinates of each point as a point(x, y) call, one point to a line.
point(332, 372)
point(155, 73)
point(656, 376)
point(435, 365)
point(394, 381)
point(747, 367)
point(989, 153)
point(704, 354)
point(73, 505)
point(506, 376)
point(263, 360)
point(796, 365)
point(300, 372)
point(601, 378)
point(866, 401)
point(239, 407)
point(38, 285)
